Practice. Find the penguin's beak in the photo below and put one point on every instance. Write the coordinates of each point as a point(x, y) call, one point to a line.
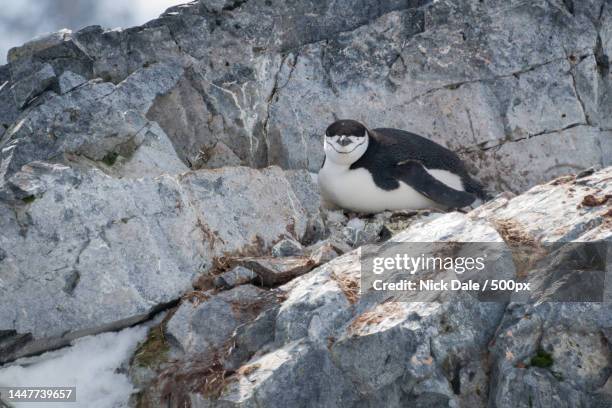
point(344, 141)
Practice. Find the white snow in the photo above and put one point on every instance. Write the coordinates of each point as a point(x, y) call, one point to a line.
point(90, 364)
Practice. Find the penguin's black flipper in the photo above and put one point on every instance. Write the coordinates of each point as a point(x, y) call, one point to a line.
point(414, 174)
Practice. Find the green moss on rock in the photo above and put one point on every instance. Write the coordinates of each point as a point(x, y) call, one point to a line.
point(154, 350)
point(110, 158)
point(542, 359)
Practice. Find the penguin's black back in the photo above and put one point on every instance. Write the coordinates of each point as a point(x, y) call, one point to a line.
point(388, 147)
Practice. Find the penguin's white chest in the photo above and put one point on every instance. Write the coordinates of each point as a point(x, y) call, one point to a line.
point(355, 190)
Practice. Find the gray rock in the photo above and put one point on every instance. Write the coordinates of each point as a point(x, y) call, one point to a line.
point(186, 117)
point(273, 271)
point(561, 200)
point(61, 50)
point(307, 189)
point(522, 387)
point(85, 238)
point(252, 339)
point(535, 109)
point(287, 247)
point(153, 157)
point(117, 53)
point(205, 327)
point(111, 116)
point(454, 351)
point(218, 156)
point(96, 203)
point(69, 80)
point(439, 85)
point(552, 154)
point(210, 334)
point(33, 85)
point(354, 231)
point(258, 88)
point(358, 232)
point(287, 368)
point(234, 277)
point(345, 234)
point(37, 45)
point(320, 248)
point(579, 358)
point(322, 252)
point(8, 109)
point(320, 302)
point(217, 6)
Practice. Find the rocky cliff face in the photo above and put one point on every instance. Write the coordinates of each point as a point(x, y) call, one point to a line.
point(521, 89)
point(321, 341)
point(122, 194)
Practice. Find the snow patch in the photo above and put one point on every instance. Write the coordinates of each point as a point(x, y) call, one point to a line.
point(90, 364)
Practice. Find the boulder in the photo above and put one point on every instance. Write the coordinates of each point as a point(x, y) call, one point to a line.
point(287, 247)
point(60, 49)
point(238, 275)
point(322, 252)
point(288, 368)
point(33, 85)
point(193, 332)
point(99, 253)
point(111, 117)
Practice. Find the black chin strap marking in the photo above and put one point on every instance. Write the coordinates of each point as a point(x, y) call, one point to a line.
point(332, 145)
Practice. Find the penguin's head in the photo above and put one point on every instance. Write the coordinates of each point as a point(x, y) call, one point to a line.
point(345, 141)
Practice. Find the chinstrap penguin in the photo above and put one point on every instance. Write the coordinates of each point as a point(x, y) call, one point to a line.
point(370, 171)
